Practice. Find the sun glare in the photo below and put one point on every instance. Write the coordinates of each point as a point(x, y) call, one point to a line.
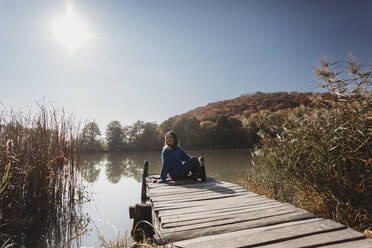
point(70, 31)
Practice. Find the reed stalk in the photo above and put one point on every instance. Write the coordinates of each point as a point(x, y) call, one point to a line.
point(40, 190)
point(321, 158)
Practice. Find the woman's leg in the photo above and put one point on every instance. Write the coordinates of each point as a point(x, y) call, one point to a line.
point(192, 165)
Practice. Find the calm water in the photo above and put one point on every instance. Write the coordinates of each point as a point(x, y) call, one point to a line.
point(114, 180)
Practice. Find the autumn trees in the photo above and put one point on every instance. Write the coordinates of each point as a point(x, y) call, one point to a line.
point(237, 123)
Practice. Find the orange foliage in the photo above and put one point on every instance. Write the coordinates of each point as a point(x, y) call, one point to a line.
point(248, 105)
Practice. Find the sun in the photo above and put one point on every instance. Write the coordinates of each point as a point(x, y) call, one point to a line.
point(70, 31)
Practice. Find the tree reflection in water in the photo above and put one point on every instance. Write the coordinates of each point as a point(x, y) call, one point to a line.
point(90, 166)
point(117, 165)
point(225, 165)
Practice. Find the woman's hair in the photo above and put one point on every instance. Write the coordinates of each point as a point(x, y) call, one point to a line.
point(174, 135)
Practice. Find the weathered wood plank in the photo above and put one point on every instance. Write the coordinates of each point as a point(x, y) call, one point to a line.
point(195, 184)
point(193, 191)
point(206, 210)
point(196, 193)
point(227, 217)
point(322, 239)
point(192, 184)
point(214, 213)
point(236, 234)
point(198, 208)
point(206, 199)
point(187, 193)
point(213, 204)
point(172, 236)
point(268, 236)
point(194, 188)
point(264, 214)
point(199, 200)
point(247, 195)
point(184, 183)
point(202, 196)
point(364, 243)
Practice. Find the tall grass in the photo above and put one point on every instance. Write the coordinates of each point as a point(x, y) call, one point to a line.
point(126, 241)
point(40, 192)
point(321, 159)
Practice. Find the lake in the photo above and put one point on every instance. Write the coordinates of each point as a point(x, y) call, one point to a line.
point(114, 182)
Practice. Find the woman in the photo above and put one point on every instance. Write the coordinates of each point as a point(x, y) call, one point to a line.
point(175, 161)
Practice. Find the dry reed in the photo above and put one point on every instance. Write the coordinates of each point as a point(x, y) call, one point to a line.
point(40, 192)
point(321, 159)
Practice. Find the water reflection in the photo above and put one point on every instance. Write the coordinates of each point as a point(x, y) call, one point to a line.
point(117, 165)
point(121, 164)
point(226, 165)
point(90, 166)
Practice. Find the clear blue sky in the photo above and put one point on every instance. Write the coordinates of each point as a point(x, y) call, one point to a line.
point(150, 60)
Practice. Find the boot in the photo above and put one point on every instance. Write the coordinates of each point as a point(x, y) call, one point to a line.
point(203, 174)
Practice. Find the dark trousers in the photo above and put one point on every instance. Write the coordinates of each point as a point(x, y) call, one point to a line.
point(182, 171)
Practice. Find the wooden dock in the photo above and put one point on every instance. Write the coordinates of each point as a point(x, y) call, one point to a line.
point(221, 214)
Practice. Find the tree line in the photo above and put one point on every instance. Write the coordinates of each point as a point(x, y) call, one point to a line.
point(220, 132)
point(237, 123)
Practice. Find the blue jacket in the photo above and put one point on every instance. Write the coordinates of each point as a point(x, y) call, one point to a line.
point(171, 159)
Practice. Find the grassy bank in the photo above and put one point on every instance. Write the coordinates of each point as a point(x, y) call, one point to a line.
point(321, 159)
point(40, 196)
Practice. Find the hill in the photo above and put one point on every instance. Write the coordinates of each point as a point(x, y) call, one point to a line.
point(238, 122)
point(247, 105)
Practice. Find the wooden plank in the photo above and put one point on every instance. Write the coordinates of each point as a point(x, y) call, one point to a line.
point(322, 239)
point(183, 195)
point(174, 235)
point(193, 191)
point(196, 193)
point(216, 209)
point(192, 184)
point(268, 236)
point(364, 243)
point(182, 198)
point(191, 187)
point(227, 217)
point(155, 220)
point(232, 198)
point(237, 234)
point(204, 198)
point(213, 213)
point(184, 183)
point(165, 187)
point(213, 203)
point(197, 198)
point(217, 213)
point(198, 209)
point(264, 214)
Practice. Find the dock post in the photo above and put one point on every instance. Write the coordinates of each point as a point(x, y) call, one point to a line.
point(142, 212)
point(203, 173)
point(144, 175)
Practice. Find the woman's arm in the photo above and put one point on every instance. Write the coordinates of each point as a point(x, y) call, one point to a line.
point(184, 155)
point(164, 167)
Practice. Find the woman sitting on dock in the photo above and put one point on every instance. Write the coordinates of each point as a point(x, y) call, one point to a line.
point(176, 162)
